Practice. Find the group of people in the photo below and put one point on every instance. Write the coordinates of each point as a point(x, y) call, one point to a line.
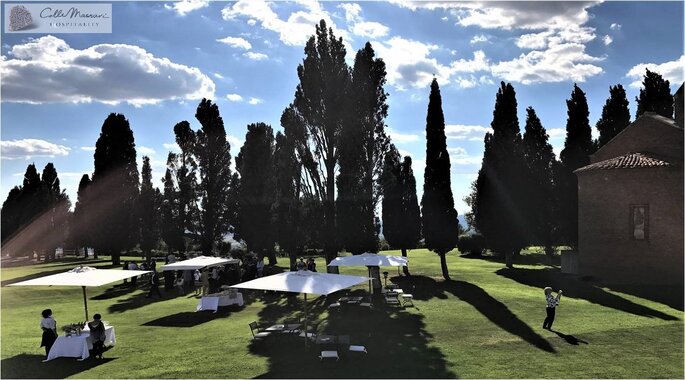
point(49, 327)
point(310, 265)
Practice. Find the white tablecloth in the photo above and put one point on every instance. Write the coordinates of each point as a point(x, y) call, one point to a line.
point(211, 302)
point(77, 346)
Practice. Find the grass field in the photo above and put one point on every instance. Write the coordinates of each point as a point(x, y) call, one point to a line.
point(485, 323)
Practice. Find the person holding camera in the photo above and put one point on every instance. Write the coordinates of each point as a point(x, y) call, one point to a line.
point(552, 303)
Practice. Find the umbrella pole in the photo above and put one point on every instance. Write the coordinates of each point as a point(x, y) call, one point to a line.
point(370, 281)
point(305, 322)
point(85, 301)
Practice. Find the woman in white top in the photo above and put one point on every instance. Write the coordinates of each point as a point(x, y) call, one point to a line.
point(49, 326)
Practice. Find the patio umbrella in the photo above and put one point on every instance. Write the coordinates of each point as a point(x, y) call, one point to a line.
point(83, 276)
point(369, 260)
point(303, 282)
point(199, 263)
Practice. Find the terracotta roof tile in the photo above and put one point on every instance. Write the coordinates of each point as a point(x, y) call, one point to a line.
point(628, 161)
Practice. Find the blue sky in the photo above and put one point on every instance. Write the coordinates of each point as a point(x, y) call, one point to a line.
point(163, 57)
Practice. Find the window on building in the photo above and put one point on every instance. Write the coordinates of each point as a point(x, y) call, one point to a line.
point(639, 222)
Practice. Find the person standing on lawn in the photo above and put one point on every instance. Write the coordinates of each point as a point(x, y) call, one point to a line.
point(49, 327)
point(154, 284)
point(552, 303)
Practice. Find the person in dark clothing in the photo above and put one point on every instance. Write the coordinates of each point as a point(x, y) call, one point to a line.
point(125, 268)
point(49, 327)
point(552, 303)
point(97, 334)
point(154, 285)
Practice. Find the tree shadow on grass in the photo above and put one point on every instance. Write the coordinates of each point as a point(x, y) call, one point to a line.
point(424, 288)
point(525, 258)
point(670, 295)
point(27, 366)
point(575, 288)
point(397, 343)
point(192, 319)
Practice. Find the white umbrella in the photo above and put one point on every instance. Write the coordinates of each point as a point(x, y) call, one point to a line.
point(83, 276)
point(198, 263)
point(369, 260)
point(303, 282)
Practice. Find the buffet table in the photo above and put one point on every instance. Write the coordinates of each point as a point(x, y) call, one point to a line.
point(213, 301)
point(77, 346)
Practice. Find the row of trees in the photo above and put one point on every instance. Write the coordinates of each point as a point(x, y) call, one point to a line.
point(523, 195)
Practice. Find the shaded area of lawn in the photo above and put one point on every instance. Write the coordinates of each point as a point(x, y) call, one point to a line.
point(396, 340)
point(27, 366)
point(191, 318)
point(575, 288)
point(425, 288)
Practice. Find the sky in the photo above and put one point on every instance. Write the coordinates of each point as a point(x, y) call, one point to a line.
point(163, 57)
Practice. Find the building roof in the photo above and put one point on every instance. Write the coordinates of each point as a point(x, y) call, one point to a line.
point(629, 161)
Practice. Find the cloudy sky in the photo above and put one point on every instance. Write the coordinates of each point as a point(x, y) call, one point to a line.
point(163, 57)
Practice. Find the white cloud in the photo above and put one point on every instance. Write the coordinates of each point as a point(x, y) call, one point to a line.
point(235, 143)
point(467, 160)
point(402, 138)
point(671, 71)
point(408, 63)
point(255, 101)
point(615, 26)
point(458, 151)
point(184, 7)
point(370, 29)
point(218, 76)
point(255, 56)
point(88, 148)
point(145, 150)
point(607, 40)
point(352, 11)
point(556, 132)
point(48, 70)
point(479, 38)
point(478, 63)
point(234, 97)
point(294, 31)
point(444, 18)
point(172, 147)
point(236, 42)
point(29, 148)
point(464, 132)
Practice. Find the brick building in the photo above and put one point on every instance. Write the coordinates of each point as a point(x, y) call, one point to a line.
point(630, 204)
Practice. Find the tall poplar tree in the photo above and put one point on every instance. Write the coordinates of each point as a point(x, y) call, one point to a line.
point(319, 109)
point(288, 181)
point(655, 95)
point(81, 229)
point(498, 195)
point(363, 142)
point(615, 115)
point(149, 211)
point(578, 147)
point(440, 224)
point(214, 161)
point(115, 188)
point(540, 203)
point(255, 163)
point(401, 215)
point(185, 170)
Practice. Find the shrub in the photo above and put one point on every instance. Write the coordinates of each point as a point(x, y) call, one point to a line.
point(471, 244)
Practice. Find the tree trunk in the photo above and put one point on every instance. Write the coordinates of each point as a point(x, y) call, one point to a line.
point(330, 249)
point(443, 265)
point(116, 258)
point(293, 260)
point(405, 269)
point(271, 254)
point(509, 259)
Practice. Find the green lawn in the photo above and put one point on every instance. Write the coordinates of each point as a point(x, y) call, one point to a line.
point(485, 323)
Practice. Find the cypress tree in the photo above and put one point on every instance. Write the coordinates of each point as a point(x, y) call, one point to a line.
point(214, 160)
point(149, 210)
point(615, 115)
point(498, 196)
point(83, 218)
point(186, 180)
point(115, 188)
point(655, 96)
point(440, 224)
point(578, 147)
point(287, 170)
point(255, 163)
point(401, 215)
point(170, 228)
point(540, 202)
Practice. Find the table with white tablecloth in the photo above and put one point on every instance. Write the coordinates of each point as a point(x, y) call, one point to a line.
point(77, 346)
point(213, 301)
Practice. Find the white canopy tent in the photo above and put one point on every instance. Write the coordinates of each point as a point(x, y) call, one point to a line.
point(369, 260)
point(199, 263)
point(303, 282)
point(83, 276)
